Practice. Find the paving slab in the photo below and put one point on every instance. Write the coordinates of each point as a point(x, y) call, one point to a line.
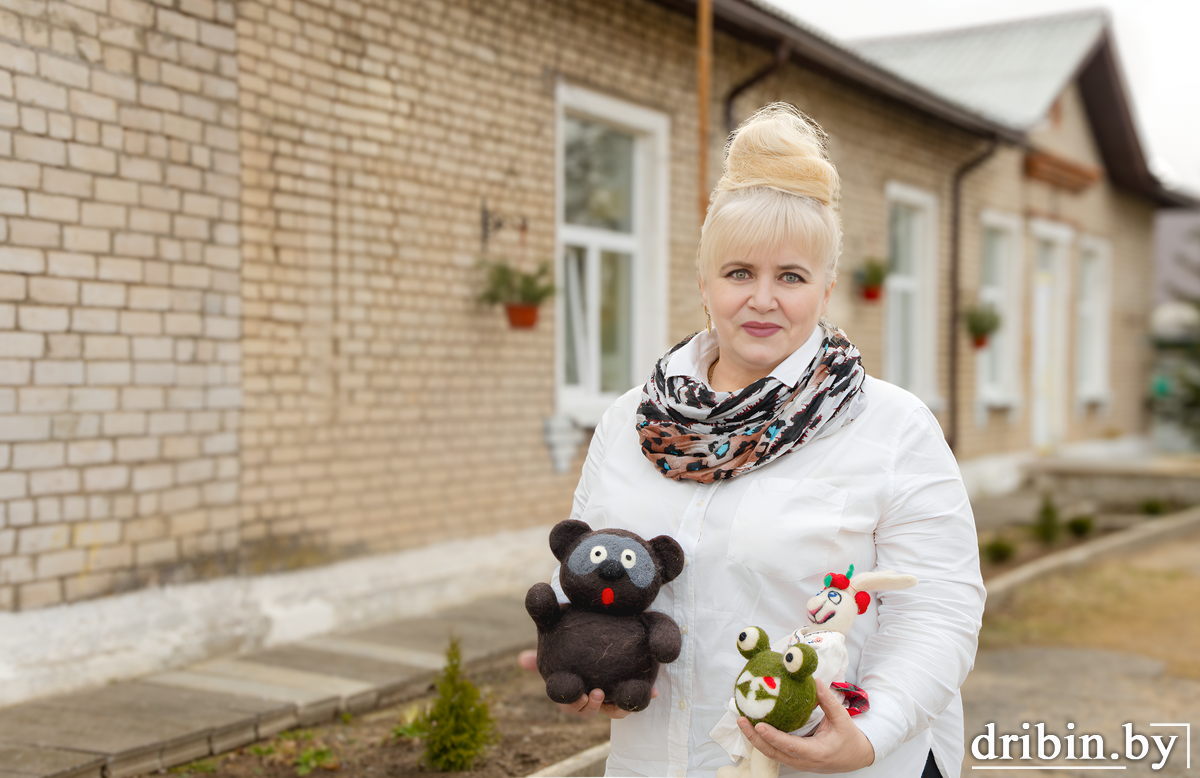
point(26, 761)
point(172, 718)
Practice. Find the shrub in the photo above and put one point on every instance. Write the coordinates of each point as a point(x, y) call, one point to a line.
point(457, 727)
point(1154, 507)
point(999, 551)
point(1046, 527)
point(1080, 526)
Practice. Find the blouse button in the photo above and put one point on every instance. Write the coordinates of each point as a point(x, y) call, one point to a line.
point(683, 628)
point(682, 704)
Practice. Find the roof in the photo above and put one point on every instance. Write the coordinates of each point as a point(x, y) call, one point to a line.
point(1011, 72)
point(1034, 59)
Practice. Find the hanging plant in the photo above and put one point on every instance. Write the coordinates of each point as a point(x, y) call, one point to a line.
point(520, 292)
point(870, 278)
point(981, 322)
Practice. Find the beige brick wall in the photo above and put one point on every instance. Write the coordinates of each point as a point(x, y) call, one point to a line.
point(237, 268)
point(119, 295)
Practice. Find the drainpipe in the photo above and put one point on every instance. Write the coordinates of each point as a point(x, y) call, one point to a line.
point(782, 54)
point(952, 336)
point(703, 96)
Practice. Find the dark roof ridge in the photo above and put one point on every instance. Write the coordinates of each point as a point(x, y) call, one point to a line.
point(1025, 21)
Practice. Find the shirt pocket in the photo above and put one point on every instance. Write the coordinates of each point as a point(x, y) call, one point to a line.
point(787, 529)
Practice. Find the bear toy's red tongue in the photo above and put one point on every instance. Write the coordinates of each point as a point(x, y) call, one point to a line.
point(606, 597)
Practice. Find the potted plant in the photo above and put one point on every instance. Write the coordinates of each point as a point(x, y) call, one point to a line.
point(981, 321)
point(518, 291)
point(870, 278)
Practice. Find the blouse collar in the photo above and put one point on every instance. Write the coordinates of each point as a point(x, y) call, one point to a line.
point(698, 353)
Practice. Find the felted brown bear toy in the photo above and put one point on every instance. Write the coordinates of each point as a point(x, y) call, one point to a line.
point(605, 638)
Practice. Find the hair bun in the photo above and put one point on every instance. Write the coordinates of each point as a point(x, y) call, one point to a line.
point(781, 148)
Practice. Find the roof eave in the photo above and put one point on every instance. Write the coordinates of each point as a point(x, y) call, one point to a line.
point(744, 20)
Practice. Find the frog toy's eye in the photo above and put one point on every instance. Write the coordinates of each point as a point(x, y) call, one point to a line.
point(599, 554)
point(748, 639)
point(628, 559)
point(835, 596)
point(793, 659)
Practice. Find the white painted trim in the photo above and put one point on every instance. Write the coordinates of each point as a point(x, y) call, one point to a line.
point(925, 376)
point(68, 647)
point(650, 242)
point(1010, 393)
point(1063, 236)
point(1101, 393)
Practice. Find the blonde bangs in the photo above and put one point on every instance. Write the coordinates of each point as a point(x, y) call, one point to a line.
point(762, 221)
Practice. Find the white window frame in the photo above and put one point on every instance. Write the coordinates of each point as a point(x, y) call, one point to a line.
point(648, 243)
point(1098, 392)
point(1006, 393)
point(1063, 236)
point(925, 291)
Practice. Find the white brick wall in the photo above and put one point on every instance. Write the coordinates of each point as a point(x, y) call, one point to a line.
point(119, 210)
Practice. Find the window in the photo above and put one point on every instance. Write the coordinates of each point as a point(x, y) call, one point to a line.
point(999, 363)
point(1092, 323)
point(910, 342)
point(612, 249)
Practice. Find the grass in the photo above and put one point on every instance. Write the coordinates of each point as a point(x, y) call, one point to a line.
point(1154, 595)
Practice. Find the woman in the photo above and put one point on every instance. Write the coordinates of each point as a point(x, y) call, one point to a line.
point(764, 449)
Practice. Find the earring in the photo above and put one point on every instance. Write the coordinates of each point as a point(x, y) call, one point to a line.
point(707, 316)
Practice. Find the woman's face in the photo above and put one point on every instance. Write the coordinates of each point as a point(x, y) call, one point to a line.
point(764, 306)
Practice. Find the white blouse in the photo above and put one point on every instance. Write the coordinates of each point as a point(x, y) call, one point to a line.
point(883, 491)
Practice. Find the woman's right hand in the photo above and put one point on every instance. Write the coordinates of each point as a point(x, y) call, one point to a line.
point(587, 706)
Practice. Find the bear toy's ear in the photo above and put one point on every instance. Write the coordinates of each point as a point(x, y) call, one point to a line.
point(564, 535)
point(670, 556)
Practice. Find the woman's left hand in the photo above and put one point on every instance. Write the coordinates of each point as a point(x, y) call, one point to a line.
point(837, 745)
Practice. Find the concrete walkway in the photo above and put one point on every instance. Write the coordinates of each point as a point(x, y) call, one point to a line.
point(172, 718)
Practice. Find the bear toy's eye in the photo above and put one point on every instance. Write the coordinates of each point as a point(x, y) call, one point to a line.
point(748, 639)
point(835, 597)
point(599, 554)
point(628, 558)
point(792, 660)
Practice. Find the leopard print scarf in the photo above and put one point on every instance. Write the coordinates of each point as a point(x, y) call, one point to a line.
point(689, 432)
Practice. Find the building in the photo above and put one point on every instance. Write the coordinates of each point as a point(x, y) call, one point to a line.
point(238, 247)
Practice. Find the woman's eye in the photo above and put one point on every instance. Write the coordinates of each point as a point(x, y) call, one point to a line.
point(740, 275)
point(791, 278)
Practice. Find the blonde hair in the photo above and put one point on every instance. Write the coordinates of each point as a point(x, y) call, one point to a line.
point(778, 190)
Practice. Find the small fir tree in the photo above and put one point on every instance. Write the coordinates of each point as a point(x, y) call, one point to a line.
point(457, 728)
point(1047, 527)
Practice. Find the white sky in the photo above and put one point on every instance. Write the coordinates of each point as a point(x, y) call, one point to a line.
point(1158, 42)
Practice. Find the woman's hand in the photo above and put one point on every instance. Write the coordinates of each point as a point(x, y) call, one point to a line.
point(587, 706)
point(836, 746)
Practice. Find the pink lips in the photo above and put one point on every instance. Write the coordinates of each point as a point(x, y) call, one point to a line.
point(761, 329)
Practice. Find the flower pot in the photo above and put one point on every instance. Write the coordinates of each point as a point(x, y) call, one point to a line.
point(521, 316)
point(980, 341)
point(872, 292)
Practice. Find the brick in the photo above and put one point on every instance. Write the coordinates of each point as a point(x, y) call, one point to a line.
point(176, 25)
point(20, 174)
point(86, 239)
point(92, 399)
point(54, 291)
point(62, 263)
point(93, 106)
point(93, 320)
point(21, 260)
point(43, 94)
point(89, 452)
point(108, 373)
point(38, 318)
point(106, 479)
point(53, 208)
point(22, 344)
point(28, 232)
point(156, 552)
point(120, 87)
point(12, 287)
point(13, 485)
point(39, 595)
point(58, 373)
point(14, 372)
point(31, 148)
point(67, 182)
point(34, 456)
point(94, 159)
point(12, 202)
point(61, 563)
point(63, 71)
point(59, 481)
